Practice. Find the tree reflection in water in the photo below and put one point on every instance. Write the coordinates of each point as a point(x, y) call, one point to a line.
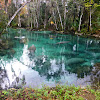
point(95, 76)
point(3, 78)
point(6, 83)
point(54, 69)
point(48, 68)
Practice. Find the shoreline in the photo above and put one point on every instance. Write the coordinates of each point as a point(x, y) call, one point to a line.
point(94, 36)
point(87, 35)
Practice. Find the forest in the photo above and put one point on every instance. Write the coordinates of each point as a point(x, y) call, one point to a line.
point(62, 15)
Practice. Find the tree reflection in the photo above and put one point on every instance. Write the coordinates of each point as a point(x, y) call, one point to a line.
point(6, 82)
point(95, 75)
point(80, 70)
point(48, 68)
point(54, 69)
point(3, 78)
point(18, 82)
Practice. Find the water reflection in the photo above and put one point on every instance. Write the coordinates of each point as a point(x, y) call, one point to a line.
point(95, 75)
point(4, 80)
point(55, 60)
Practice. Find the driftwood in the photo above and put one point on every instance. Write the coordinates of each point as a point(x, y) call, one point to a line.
point(17, 12)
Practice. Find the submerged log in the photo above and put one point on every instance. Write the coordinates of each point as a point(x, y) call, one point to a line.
point(62, 42)
point(75, 61)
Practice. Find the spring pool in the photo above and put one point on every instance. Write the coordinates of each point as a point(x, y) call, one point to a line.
point(58, 59)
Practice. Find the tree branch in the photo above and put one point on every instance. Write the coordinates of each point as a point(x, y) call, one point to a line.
point(17, 12)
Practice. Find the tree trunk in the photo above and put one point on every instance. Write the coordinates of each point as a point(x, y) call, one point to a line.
point(19, 20)
point(59, 15)
point(6, 2)
point(79, 28)
point(31, 22)
point(17, 12)
point(36, 19)
point(64, 17)
point(55, 20)
point(36, 24)
point(90, 20)
point(45, 19)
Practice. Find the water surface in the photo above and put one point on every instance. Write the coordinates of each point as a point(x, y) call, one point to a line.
point(63, 59)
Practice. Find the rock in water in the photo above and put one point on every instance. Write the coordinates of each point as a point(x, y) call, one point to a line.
point(32, 49)
point(23, 40)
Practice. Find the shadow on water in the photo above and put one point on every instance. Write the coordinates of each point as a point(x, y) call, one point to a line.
point(63, 59)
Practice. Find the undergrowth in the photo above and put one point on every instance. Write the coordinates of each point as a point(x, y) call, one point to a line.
point(55, 93)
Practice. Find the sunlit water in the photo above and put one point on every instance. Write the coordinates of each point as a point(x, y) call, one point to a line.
point(58, 59)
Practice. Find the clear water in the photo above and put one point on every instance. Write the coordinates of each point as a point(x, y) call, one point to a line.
point(62, 59)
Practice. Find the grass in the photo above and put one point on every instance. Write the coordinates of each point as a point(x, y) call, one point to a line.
point(46, 93)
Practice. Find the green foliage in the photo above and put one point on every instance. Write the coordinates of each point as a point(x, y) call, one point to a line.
point(5, 92)
point(59, 92)
point(14, 24)
point(3, 20)
point(97, 95)
point(91, 3)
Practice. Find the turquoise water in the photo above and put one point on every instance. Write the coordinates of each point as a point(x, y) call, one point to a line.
point(58, 59)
